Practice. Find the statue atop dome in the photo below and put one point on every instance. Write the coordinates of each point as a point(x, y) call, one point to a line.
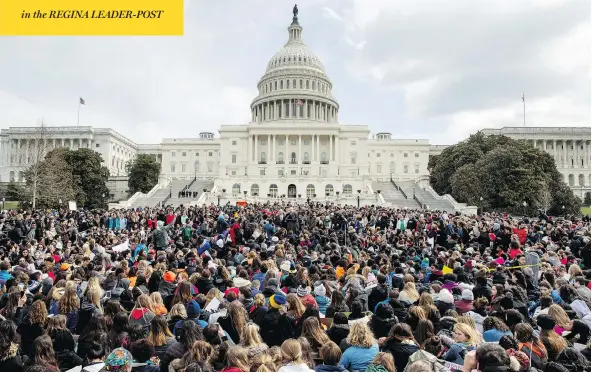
point(295, 12)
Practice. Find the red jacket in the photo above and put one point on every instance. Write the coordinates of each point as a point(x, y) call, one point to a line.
point(521, 233)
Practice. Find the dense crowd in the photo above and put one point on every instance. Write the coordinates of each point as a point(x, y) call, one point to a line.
point(280, 287)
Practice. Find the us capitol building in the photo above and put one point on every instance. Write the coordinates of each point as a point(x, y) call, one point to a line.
point(293, 148)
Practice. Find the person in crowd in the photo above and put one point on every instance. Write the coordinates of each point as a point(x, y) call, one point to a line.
point(282, 286)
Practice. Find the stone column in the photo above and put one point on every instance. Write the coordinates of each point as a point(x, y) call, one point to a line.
point(287, 156)
point(299, 149)
point(330, 148)
point(337, 149)
point(565, 161)
point(273, 137)
point(318, 148)
point(249, 138)
point(256, 149)
point(268, 148)
point(312, 147)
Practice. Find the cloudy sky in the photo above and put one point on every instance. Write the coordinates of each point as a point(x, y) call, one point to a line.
point(419, 69)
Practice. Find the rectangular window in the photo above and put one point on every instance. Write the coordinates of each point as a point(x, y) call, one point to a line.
point(416, 168)
point(233, 173)
point(378, 169)
point(416, 155)
point(292, 172)
point(183, 167)
point(210, 154)
point(324, 173)
point(353, 174)
point(184, 154)
point(234, 142)
point(262, 172)
point(280, 172)
point(234, 158)
point(405, 155)
point(306, 142)
point(281, 142)
point(406, 169)
point(210, 168)
point(197, 154)
point(173, 168)
point(353, 160)
point(377, 155)
point(293, 142)
point(263, 142)
point(173, 154)
point(353, 143)
point(97, 145)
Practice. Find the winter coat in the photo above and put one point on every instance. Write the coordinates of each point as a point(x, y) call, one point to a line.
point(323, 302)
point(482, 291)
point(227, 325)
point(204, 285)
point(357, 359)
point(400, 352)
point(277, 328)
point(494, 335)
point(378, 294)
point(67, 359)
point(84, 315)
point(175, 351)
point(463, 306)
point(330, 368)
point(332, 310)
point(166, 288)
point(141, 316)
point(456, 353)
point(381, 327)
point(10, 359)
point(28, 333)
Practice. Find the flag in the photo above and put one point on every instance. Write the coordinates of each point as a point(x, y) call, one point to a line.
point(82, 101)
point(522, 96)
point(299, 103)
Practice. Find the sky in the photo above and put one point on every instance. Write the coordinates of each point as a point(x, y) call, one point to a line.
point(429, 69)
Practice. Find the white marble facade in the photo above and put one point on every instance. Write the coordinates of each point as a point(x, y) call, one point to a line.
point(294, 144)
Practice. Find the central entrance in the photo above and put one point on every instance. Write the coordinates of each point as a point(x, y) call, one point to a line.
point(291, 191)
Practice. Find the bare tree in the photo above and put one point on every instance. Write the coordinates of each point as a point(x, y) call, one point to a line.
point(31, 154)
point(544, 197)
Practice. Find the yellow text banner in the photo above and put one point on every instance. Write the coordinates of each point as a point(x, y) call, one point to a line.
point(91, 17)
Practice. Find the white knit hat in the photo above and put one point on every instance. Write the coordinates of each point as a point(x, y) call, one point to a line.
point(320, 290)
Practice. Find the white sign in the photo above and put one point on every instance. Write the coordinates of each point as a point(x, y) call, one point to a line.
point(72, 205)
point(121, 247)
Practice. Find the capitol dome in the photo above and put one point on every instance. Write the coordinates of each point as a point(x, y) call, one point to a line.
point(295, 86)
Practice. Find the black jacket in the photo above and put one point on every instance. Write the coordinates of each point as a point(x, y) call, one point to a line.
point(175, 351)
point(337, 333)
point(330, 368)
point(10, 359)
point(381, 327)
point(400, 352)
point(28, 333)
point(204, 285)
point(226, 324)
point(377, 295)
point(276, 328)
point(67, 359)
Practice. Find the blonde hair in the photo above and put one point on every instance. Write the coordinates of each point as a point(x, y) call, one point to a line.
point(144, 301)
point(58, 322)
point(263, 363)
point(559, 315)
point(94, 297)
point(213, 293)
point(471, 334)
point(295, 305)
point(360, 335)
point(178, 310)
point(156, 299)
point(236, 357)
point(575, 270)
point(259, 300)
point(250, 336)
point(291, 351)
point(410, 291)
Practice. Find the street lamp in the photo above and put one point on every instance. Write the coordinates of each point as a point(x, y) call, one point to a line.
point(3, 200)
point(481, 202)
point(359, 191)
point(245, 193)
point(524, 204)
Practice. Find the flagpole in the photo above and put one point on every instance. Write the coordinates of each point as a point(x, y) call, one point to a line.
point(78, 122)
point(523, 110)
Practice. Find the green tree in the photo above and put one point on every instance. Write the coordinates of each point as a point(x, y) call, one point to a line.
point(89, 177)
point(53, 180)
point(587, 199)
point(143, 174)
point(15, 192)
point(504, 172)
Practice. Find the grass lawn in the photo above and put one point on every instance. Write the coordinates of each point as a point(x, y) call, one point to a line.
point(585, 210)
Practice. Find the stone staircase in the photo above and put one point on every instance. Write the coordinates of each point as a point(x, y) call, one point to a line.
point(197, 185)
point(392, 195)
point(425, 197)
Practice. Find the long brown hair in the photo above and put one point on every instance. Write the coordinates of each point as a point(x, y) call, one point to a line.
point(183, 295)
point(312, 331)
point(159, 331)
point(69, 301)
point(44, 353)
point(385, 359)
point(238, 315)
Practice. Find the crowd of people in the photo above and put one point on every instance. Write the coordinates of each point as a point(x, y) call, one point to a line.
point(280, 287)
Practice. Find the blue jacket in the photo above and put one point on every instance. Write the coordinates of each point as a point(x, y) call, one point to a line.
point(4, 276)
point(323, 303)
point(261, 277)
point(357, 359)
point(456, 353)
point(494, 335)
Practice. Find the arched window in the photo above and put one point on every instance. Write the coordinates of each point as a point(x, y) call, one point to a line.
point(236, 190)
point(306, 156)
point(323, 157)
point(293, 158)
point(276, 85)
point(281, 84)
point(329, 189)
point(273, 190)
point(571, 180)
point(294, 83)
point(307, 84)
point(313, 85)
point(393, 167)
point(301, 84)
point(196, 166)
point(281, 157)
point(310, 191)
point(581, 180)
point(287, 84)
point(262, 159)
point(347, 190)
point(254, 190)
